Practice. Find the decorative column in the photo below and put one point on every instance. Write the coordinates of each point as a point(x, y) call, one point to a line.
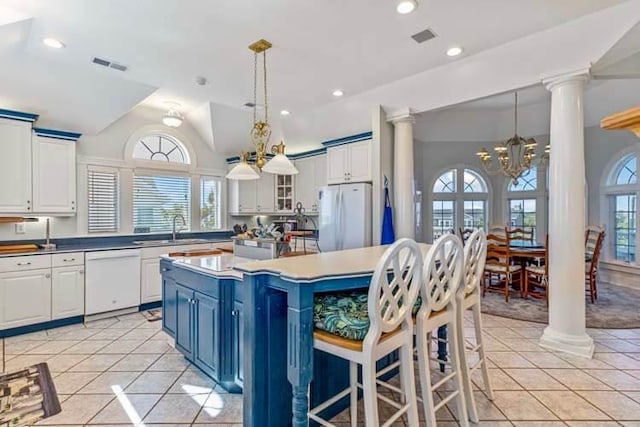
point(402, 186)
point(567, 321)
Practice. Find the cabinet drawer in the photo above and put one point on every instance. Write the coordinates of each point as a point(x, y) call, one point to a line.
point(67, 259)
point(21, 263)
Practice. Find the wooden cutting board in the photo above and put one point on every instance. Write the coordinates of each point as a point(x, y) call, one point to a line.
point(196, 252)
point(225, 247)
point(16, 249)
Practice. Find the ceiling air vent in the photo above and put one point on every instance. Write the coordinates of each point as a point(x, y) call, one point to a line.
point(109, 64)
point(249, 104)
point(423, 36)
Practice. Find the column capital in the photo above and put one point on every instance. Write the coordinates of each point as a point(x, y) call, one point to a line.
point(556, 79)
point(403, 115)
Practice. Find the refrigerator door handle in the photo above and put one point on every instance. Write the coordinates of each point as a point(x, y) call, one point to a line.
point(341, 218)
point(336, 218)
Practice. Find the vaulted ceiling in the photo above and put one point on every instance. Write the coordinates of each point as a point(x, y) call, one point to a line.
point(355, 45)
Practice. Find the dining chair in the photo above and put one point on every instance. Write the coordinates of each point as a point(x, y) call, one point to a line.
point(392, 294)
point(591, 266)
point(499, 264)
point(443, 271)
point(536, 276)
point(464, 234)
point(591, 239)
point(520, 233)
point(468, 297)
point(498, 230)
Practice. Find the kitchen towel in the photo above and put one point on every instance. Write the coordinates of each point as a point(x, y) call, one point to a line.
point(388, 235)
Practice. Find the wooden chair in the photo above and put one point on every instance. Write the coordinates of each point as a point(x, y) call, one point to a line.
point(536, 277)
point(499, 264)
point(393, 291)
point(520, 234)
point(498, 230)
point(591, 239)
point(591, 265)
point(468, 297)
point(465, 233)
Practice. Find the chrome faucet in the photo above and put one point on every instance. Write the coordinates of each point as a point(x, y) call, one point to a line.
point(184, 222)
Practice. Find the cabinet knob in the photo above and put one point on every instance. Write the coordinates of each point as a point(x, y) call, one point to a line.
point(24, 263)
point(81, 271)
point(235, 312)
point(48, 275)
point(68, 260)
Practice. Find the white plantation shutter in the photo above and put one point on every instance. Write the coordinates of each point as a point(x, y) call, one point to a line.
point(157, 199)
point(103, 201)
point(210, 203)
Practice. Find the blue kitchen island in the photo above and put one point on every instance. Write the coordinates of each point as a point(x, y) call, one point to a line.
point(251, 327)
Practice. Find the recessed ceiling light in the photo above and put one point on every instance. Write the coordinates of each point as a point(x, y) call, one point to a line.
point(406, 6)
point(338, 93)
point(54, 43)
point(454, 51)
point(284, 113)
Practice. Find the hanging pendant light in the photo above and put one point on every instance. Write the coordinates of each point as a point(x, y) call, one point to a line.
point(261, 131)
point(172, 117)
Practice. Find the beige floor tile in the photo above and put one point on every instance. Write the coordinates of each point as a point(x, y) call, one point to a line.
point(135, 362)
point(161, 335)
point(487, 411)
point(630, 423)
point(569, 406)
point(127, 323)
point(22, 346)
point(534, 379)
point(625, 333)
point(23, 360)
point(53, 347)
point(176, 408)
point(509, 359)
point(139, 334)
point(63, 362)
point(193, 381)
point(78, 409)
point(583, 362)
point(126, 408)
point(78, 334)
point(499, 380)
point(221, 408)
point(153, 382)
point(545, 360)
point(621, 345)
point(87, 347)
point(71, 382)
point(109, 383)
point(501, 333)
point(108, 334)
point(530, 332)
point(635, 395)
point(592, 423)
point(97, 362)
point(170, 362)
point(120, 347)
point(492, 344)
point(153, 347)
point(522, 344)
point(538, 423)
point(576, 379)
point(521, 406)
point(618, 360)
point(613, 403)
point(618, 380)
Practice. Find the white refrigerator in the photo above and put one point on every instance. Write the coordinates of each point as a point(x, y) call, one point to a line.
point(345, 217)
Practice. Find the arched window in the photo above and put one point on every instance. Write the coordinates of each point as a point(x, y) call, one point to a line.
point(456, 206)
point(526, 201)
point(622, 192)
point(163, 148)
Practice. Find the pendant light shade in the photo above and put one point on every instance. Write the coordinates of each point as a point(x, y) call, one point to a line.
point(280, 163)
point(243, 171)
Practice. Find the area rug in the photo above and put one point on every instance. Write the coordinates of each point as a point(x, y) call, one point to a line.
point(153, 315)
point(617, 307)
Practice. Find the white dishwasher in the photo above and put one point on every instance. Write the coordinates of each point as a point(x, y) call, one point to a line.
point(112, 280)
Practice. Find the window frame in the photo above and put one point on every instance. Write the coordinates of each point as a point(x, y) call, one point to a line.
point(118, 217)
point(540, 194)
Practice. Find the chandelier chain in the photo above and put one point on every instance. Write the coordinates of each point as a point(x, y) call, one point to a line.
point(266, 103)
point(255, 86)
point(515, 116)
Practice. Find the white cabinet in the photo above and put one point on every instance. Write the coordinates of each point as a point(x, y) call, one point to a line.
point(151, 284)
point(349, 163)
point(265, 190)
point(15, 166)
point(253, 196)
point(311, 176)
point(25, 298)
point(54, 175)
point(67, 292)
point(284, 193)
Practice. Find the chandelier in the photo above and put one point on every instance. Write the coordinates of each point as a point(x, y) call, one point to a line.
point(515, 156)
point(261, 131)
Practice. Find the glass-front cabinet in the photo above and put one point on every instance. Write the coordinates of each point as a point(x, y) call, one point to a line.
point(284, 193)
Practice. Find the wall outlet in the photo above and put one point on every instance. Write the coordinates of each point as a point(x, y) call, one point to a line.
point(21, 228)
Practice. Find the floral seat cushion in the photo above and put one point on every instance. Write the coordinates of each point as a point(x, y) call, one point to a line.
point(345, 313)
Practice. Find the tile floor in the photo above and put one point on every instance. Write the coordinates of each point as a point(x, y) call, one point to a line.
point(123, 371)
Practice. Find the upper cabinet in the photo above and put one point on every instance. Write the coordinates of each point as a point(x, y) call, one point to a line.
point(38, 171)
point(284, 193)
point(312, 175)
point(349, 163)
point(15, 166)
point(54, 175)
point(265, 190)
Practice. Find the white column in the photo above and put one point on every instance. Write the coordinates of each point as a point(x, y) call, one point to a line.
point(402, 186)
point(567, 325)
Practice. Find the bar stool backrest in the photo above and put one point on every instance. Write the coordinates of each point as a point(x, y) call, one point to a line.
point(475, 257)
point(443, 267)
point(394, 289)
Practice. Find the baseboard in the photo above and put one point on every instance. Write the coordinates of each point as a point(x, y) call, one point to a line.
point(41, 326)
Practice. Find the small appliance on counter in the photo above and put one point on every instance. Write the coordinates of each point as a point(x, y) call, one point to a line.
point(261, 242)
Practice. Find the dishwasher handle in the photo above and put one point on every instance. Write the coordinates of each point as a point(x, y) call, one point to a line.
point(118, 253)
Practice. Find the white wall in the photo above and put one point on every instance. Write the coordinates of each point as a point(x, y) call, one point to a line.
point(109, 145)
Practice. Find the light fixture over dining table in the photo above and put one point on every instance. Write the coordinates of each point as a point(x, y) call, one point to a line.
point(261, 131)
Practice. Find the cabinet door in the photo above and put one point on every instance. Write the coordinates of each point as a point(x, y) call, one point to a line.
point(284, 193)
point(184, 320)
point(238, 342)
point(67, 292)
point(15, 166)
point(25, 298)
point(320, 180)
point(265, 193)
point(306, 183)
point(54, 175)
point(337, 164)
point(247, 195)
point(169, 305)
point(359, 169)
point(207, 333)
point(151, 281)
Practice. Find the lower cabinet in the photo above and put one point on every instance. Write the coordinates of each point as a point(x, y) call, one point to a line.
point(169, 297)
point(25, 298)
point(238, 347)
point(67, 292)
point(184, 320)
point(207, 334)
point(150, 281)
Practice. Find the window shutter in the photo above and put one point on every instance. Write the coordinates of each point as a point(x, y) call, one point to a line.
point(210, 203)
point(103, 201)
point(157, 199)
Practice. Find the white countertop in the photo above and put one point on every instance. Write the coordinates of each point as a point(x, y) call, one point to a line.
point(311, 268)
point(220, 266)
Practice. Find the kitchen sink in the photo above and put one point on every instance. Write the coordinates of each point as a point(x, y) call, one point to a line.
point(169, 242)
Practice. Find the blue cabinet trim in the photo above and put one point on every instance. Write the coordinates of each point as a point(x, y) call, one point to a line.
point(348, 139)
point(40, 326)
point(17, 115)
point(58, 134)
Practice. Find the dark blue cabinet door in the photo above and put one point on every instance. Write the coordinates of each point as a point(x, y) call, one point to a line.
point(207, 333)
point(169, 297)
point(238, 342)
point(184, 320)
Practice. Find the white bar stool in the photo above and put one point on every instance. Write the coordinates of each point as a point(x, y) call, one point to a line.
point(392, 294)
point(443, 271)
point(469, 297)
